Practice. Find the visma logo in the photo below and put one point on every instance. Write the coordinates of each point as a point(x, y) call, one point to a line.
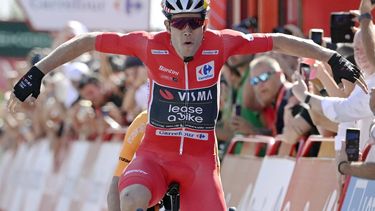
point(166, 94)
point(205, 71)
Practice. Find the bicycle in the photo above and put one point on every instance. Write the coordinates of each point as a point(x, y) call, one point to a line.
point(171, 200)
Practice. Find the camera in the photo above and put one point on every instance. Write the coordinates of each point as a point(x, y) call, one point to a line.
point(352, 144)
point(341, 27)
point(316, 35)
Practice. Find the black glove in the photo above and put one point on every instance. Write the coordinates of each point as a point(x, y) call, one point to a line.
point(342, 68)
point(29, 84)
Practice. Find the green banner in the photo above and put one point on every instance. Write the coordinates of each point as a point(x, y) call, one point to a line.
point(16, 39)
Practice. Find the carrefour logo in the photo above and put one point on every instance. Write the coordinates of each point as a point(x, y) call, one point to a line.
point(206, 71)
point(180, 133)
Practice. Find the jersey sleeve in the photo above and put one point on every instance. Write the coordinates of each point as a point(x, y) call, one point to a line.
point(240, 43)
point(134, 43)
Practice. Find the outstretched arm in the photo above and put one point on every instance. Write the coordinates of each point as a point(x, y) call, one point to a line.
point(67, 51)
point(341, 67)
point(28, 87)
point(296, 46)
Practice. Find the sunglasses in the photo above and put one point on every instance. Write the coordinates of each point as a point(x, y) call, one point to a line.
point(180, 23)
point(261, 78)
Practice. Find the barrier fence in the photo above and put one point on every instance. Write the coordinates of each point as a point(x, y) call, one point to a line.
point(30, 182)
point(258, 177)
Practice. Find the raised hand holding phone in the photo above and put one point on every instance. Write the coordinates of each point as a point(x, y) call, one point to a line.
point(352, 144)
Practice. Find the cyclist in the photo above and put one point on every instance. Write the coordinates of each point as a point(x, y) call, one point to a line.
point(132, 140)
point(184, 65)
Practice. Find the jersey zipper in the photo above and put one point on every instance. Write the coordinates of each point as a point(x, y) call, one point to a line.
point(186, 104)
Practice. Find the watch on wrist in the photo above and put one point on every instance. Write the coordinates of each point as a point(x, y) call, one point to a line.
point(363, 16)
point(306, 102)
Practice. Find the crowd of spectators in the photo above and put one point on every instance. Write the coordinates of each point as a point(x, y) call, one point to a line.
point(93, 98)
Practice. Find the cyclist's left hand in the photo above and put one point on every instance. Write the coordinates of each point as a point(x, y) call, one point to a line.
point(344, 69)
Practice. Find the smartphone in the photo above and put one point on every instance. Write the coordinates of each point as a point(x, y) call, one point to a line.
point(341, 27)
point(305, 71)
point(352, 144)
point(316, 35)
point(238, 110)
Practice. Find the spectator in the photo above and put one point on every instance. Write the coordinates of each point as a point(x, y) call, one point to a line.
point(66, 83)
point(323, 84)
point(273, 92)
point(235, 72)
point(363, 169)
point(136, 94)
point(353, 108)
point(105, 104)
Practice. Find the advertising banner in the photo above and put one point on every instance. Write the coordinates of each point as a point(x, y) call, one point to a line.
point(269, 192)
point(52, 15)
point(238, 175)
point(314, 186)
point(360, 195)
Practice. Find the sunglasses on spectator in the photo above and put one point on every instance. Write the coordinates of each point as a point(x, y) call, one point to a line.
point(261, 78)
point(193, 22)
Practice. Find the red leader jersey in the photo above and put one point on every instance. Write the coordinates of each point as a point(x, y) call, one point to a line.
point(183, 99)
point(179, 141)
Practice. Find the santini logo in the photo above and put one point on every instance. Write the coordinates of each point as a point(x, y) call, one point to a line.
point(167, 70)
point(206, 71)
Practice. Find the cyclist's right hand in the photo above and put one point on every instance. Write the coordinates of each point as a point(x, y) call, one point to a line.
point(27, 89)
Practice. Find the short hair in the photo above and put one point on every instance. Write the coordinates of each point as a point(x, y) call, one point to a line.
point(267, 60)
point(88, 80)
point(132, 62)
